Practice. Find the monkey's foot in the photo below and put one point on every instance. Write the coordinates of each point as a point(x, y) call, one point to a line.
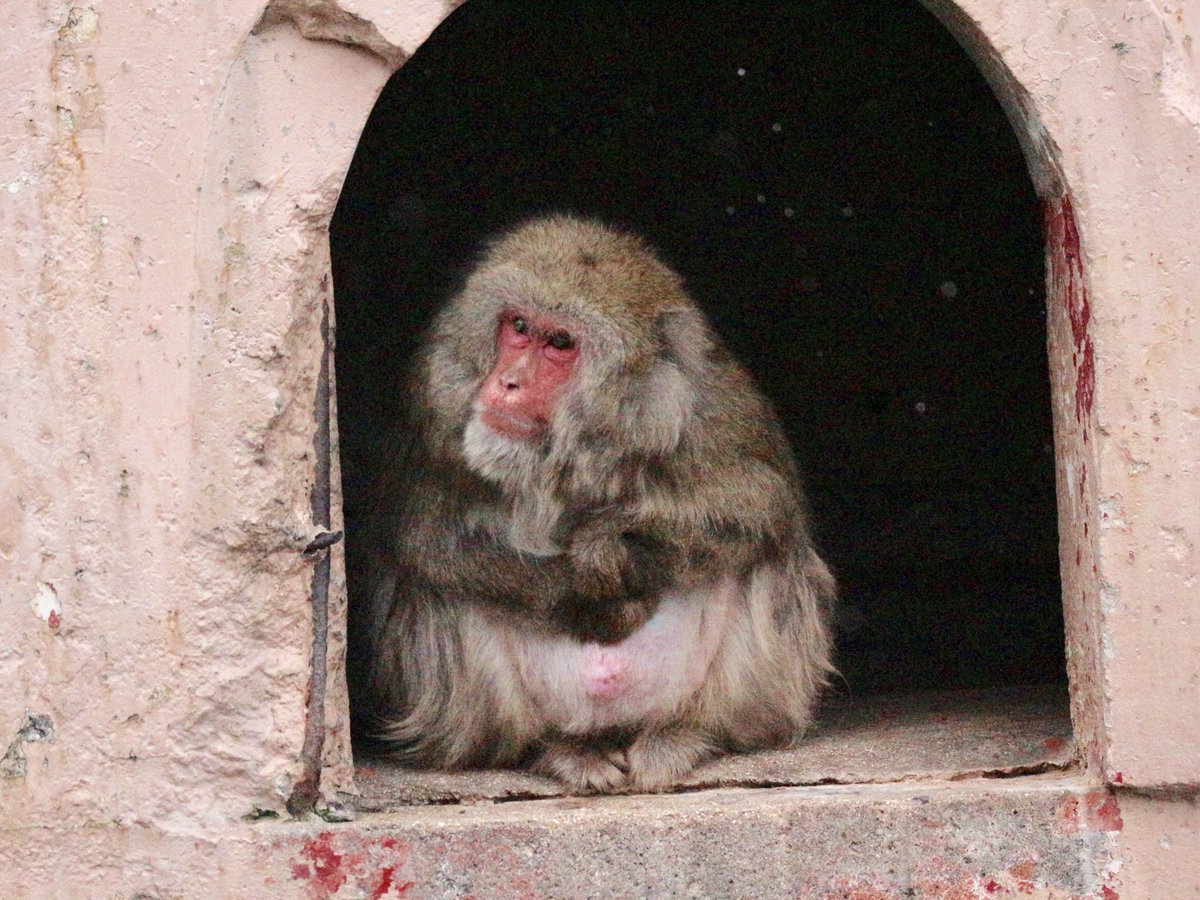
point(659, 759)
point(582, 770)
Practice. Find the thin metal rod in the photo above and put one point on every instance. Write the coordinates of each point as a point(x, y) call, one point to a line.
point(307, 790)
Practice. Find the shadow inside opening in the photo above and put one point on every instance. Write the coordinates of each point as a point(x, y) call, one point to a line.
point(844, 197)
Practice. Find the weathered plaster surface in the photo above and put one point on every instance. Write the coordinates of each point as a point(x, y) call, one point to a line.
point(1119, 95)
point(167, 171)
point(169, 177)
point(1160, 845)
point(1105, 97)
point(1049, 838)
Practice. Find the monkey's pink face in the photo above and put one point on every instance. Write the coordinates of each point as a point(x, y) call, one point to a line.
point(536, 357)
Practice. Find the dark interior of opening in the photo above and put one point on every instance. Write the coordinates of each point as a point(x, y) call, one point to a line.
point(846, 200)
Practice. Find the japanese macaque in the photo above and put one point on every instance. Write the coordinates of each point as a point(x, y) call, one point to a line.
point(590, 554)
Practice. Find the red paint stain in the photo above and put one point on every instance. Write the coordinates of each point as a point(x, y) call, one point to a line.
point(54, 620)
point(1066, 248)
point(1067, 286)
point(1025, 875)
point(324, 867)
point(1093, 811)
point(332, 860)
point(1085, 382)
point(1118, 778)
point(1107, 893)
point(1054, 743)
point(386, 881)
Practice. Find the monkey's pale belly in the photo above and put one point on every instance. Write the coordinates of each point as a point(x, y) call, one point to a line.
point(646, 677)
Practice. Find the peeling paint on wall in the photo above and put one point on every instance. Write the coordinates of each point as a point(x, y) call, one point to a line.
point(46, 605)
point(35, 729)
point(372, 867)
point(1093, 811)
point(327, 20)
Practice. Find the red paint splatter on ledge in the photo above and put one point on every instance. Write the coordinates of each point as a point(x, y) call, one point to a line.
point(324, 867)
point(331, 860)
point(386, 884)
point(1093, 811)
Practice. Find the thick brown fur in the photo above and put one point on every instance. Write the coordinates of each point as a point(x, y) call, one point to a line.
point(664, 474)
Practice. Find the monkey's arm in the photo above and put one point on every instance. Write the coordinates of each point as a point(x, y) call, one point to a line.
point(563, 592)
point(472, 565)
point(723, 523)
point(444, 530)
point(621, 565)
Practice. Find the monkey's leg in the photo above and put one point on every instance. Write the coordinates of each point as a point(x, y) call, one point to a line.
point(658, 759)
point(583, 770)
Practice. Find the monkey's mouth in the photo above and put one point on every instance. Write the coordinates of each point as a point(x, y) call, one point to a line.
point(521, 428)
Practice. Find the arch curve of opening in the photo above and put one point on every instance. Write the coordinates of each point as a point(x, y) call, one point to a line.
point(263, 262)
point(409, 210)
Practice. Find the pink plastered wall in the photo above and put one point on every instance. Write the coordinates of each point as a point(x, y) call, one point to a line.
point(167, 175)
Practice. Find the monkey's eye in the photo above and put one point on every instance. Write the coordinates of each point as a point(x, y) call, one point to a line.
point(560, 340)
point(520, 325)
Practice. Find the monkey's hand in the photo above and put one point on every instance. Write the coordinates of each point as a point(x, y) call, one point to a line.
point(612, 560)
point(617, 578)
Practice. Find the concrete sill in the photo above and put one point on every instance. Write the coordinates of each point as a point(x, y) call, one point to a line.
point(946, 736)
point(960, 795)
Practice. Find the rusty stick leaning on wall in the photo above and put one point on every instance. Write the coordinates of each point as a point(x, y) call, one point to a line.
point(307, 789)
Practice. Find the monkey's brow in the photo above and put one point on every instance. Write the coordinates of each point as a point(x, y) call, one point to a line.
point(544, 334)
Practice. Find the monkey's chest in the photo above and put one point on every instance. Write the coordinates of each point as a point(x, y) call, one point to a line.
point(582, 687)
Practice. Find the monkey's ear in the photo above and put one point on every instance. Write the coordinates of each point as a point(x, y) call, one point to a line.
point(663, 403)
point(684, 339)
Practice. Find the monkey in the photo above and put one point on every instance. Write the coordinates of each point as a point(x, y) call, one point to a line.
point(589, 555)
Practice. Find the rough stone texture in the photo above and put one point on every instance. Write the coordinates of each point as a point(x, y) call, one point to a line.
point(170, 177)
point(168, 173)
point(1050, 837)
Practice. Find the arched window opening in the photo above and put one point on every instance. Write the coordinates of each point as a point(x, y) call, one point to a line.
point(845, 198)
